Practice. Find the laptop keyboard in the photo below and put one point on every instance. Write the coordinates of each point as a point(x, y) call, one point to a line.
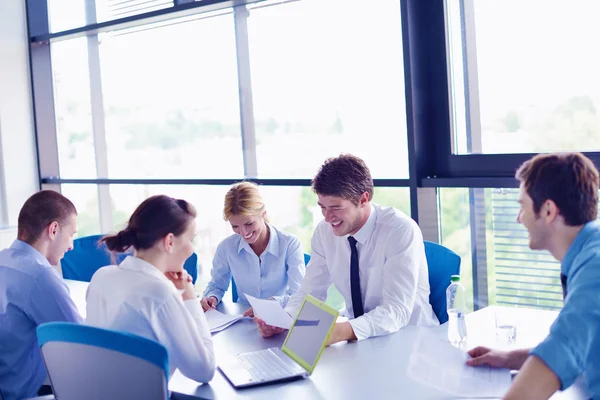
point(265, 365)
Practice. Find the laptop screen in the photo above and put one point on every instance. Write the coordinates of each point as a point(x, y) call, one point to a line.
point(308, 336)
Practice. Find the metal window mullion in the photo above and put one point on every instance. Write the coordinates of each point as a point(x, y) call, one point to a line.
point(242, 47)
point(474, 145)
point(471, 77)
point(478, 248)
point(98, 121)
point(42, 83)
point(429, 213)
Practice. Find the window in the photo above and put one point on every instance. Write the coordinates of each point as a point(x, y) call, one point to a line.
point(76, 153)
point(455, 232)
point(320, 88)
point(85, 199)
point(515, 274)
point(66, 14)
point(71, 14)
point(523, 75)
point(171, 101)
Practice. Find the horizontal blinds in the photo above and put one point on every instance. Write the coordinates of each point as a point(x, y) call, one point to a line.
point(124, 8)
point(524, 278)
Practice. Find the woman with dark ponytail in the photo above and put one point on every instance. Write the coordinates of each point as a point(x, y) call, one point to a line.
point(150, 294)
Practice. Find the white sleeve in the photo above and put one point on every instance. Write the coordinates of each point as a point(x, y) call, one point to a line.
point(403, 251)
point(182, 328)
point(316, 280)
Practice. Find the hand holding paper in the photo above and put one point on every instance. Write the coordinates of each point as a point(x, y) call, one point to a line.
point(271, 312)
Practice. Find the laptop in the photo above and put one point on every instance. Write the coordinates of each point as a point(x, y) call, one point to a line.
point(296, 358)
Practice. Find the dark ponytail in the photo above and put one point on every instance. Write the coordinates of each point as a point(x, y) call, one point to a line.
point(121, 241)
point(151, 221)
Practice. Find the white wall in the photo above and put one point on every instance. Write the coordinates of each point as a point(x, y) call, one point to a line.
point(18, 161)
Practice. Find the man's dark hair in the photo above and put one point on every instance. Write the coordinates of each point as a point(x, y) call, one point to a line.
point(570, 180)
point(39, 211)
point(345, 176)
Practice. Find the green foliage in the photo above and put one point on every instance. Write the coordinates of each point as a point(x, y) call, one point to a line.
point(511, 121)
point(308, 199)
point(398, 198)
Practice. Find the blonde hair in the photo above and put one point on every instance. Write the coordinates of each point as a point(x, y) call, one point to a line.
point(243, 198)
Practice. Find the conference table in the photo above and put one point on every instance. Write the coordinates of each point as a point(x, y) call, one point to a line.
point(373, 368)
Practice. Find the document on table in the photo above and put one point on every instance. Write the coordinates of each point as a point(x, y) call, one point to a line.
point(437, 363)
point(217, 321)
point(271, 312)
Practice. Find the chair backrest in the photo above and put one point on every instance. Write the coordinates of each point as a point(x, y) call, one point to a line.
point(85, 362)
point(88, 255)
point(442, 263)
point(306, 258)
point(234, 295)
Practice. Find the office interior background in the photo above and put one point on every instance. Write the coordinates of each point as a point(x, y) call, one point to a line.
point(110, 101)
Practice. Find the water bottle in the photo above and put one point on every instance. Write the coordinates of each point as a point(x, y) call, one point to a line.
point(456, 307)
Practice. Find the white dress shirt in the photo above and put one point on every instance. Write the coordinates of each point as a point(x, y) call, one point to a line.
point(276, 273)
point(394, 280)
point(136, 297)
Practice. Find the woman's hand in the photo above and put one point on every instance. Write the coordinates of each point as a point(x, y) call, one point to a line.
point(183, 281)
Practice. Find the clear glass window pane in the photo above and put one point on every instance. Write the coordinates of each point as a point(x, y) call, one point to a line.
point(76, 154)
point(321, 89)
point(171, 101)
point(528, 82)
point(66, 14)
point(85, 199)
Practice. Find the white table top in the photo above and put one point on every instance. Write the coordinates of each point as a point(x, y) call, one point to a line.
point(78, 290)
point(373, 368)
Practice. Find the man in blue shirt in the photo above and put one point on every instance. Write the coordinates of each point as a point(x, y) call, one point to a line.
point(559, 206)
point(31, 290)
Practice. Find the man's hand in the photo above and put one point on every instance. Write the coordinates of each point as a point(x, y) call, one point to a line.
point(249, 313)
point(267, 330)
point(209, 303)
point(342, 331)
point(182, 281)
point(495, 358)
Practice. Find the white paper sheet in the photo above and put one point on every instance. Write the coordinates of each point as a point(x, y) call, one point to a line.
point(217, 321)
point(271, 312)
point(437, 363)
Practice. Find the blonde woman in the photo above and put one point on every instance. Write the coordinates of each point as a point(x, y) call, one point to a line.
point(264, 262)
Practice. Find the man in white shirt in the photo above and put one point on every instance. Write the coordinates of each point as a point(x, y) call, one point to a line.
point(374, 256)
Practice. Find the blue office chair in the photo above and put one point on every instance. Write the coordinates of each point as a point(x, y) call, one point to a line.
point(442, 263)
point(88, 256)
point(84, 362)
point(234, 294)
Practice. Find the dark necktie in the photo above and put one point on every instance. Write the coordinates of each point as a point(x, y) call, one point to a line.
point(563, 283)
point(357, 305)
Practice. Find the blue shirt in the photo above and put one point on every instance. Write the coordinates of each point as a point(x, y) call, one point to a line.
point(573, 346)
point(31, 293)
point(276, 273)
